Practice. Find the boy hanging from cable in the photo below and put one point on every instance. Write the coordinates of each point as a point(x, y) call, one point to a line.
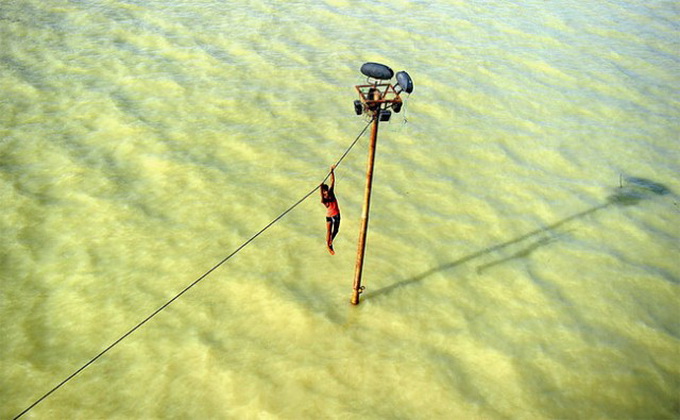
point(332, 211)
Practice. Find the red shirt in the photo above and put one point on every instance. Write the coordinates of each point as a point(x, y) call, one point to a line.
point(332, 208)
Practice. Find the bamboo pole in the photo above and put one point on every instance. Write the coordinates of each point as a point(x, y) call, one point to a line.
point(357, 288)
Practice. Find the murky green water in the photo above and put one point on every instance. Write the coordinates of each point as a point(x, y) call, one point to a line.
point(523, 242)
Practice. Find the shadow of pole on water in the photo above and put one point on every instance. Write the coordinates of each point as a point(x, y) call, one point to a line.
point(634, 191)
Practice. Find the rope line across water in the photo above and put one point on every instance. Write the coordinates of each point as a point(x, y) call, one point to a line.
point(195, 282)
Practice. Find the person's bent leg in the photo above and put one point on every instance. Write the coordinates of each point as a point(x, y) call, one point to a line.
point(329, 237)
point(329, 232)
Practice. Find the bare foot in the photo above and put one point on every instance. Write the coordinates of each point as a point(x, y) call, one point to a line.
point(330, 249)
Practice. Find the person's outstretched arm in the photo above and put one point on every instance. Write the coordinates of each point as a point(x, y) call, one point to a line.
point(332, 177)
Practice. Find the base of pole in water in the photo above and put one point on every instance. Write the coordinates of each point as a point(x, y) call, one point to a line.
point(355, 295)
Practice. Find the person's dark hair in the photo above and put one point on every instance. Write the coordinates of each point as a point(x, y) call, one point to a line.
point(331, 195)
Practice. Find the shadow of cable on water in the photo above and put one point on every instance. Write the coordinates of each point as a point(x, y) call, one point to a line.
point(631, 193)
